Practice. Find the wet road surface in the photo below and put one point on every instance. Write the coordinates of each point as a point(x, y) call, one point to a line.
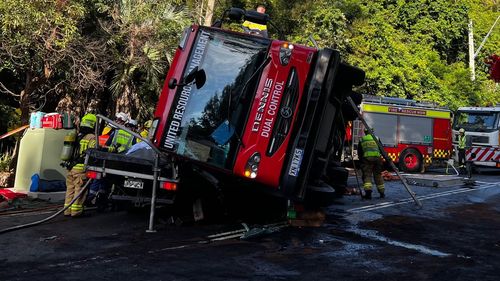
point(455, 236)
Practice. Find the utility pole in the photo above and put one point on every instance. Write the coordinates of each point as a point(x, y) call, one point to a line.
point(472, 64)
point(472, 54)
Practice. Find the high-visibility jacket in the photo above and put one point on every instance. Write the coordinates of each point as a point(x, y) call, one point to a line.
point(369, 147)
point(144, 133)
point(107, 130)
point(461, 142)
point(123, 140)
point(86, 142)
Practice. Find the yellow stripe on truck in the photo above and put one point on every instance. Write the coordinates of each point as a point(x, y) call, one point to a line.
point(401, 110)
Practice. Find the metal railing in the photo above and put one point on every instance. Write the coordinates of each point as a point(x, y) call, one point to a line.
point(156, 165)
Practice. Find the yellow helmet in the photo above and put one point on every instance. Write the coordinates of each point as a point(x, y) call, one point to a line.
point(462, 130)
point(148, 124)
point(88, 120)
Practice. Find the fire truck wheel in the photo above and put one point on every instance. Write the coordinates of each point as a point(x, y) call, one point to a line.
point(410, 160)
point(319, 195)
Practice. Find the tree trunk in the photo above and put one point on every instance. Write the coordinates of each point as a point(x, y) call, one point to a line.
point(126, 102)
point(209, 13)
point(24, 106)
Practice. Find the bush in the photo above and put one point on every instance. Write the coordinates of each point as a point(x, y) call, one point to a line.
point(5, 159)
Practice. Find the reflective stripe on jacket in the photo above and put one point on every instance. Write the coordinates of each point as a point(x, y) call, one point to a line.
point(252, 25)
point(86, 142)
point(369, 147)
point(461, 142)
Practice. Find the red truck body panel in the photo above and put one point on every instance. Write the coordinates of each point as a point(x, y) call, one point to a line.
point(264, 111)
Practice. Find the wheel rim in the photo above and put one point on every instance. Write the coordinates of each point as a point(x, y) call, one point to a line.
point(411, 161)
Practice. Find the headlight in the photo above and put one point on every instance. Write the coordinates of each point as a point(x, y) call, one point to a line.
point(285, 53)
point(252, 167)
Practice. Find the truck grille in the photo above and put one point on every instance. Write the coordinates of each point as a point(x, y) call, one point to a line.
point(480, 139)
point(285, 114)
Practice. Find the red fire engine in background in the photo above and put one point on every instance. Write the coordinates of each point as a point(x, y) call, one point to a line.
point(415, 135)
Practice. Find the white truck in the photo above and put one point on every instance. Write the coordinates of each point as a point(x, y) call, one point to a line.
point(482, 126)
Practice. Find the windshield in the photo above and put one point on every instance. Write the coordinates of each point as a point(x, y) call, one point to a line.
point(199, 125)
point(476, 121)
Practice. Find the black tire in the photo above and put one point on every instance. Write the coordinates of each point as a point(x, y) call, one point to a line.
point(337, 178)
point(321, 195)
point(411, 160)
point(337, 175)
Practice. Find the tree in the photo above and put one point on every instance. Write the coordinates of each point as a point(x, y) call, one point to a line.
point(143, 35)
point(406, 53)
point(34, 40)
point(326, 24)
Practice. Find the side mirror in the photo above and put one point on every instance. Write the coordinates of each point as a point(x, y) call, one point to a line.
point(235, 14)
point(190, 76)
point(172, 83)
point(200, 78)
point(217, 23)
point(196, 75)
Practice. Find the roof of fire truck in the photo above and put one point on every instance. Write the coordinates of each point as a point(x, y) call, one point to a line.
point(402, 102)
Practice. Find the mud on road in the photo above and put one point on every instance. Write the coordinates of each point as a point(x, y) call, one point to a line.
point(455, 236)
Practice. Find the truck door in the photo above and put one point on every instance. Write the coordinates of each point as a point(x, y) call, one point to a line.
point(442, 138)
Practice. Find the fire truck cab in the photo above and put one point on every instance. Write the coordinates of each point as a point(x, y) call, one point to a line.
point(482, 126)
point(414, 135)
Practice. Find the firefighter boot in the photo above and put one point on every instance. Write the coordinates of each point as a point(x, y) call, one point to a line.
point(368, 195)
point(381, 190)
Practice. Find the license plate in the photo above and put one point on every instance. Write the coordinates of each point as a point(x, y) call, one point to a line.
point(137, 184)
point(296, 161)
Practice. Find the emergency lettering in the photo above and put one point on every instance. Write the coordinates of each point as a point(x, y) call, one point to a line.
point(269, 101)
point(183, 98)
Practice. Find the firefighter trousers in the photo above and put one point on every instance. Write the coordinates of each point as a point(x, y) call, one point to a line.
point(461, 157)
point(372, 167)
point(74, 184)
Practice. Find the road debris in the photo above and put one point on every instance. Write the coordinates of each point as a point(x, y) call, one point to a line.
point(43, 239)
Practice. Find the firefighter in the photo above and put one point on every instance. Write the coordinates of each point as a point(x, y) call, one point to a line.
point(145, 129)
point(76, 174)
point(462, 140)
point(122, 140)
point(256, 28)
point(132, 125)
point(371, 164)
point(108, 131)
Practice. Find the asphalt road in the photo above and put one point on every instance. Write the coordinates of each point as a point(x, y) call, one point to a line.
point(455, 236)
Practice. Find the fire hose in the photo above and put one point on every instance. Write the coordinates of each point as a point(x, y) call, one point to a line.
point(17, 227)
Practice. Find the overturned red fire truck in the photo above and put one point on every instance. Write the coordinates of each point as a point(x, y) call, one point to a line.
point(242, 112)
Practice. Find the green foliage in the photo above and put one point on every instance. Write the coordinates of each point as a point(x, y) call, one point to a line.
point(89, 48)
point(5, 160)
point(417, 49)
point(10, 118)
point(326, 24)
point(143, 35)
point(34, 29)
